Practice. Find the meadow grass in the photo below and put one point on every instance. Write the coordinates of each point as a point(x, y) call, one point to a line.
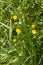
point(21, 32)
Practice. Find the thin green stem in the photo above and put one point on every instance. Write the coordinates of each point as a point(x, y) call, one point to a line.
point(10, 31)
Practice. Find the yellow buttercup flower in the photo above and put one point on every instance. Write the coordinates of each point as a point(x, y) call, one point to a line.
point(18, 30)
point(14, 40)
point(15, 17)
point(33, 26)
point(34, 31)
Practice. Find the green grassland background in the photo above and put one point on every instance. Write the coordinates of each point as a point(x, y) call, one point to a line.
point(27, 49)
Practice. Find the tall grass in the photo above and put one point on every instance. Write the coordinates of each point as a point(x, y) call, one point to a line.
point(21, 37)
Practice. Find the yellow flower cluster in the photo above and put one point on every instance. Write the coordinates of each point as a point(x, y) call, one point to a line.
point(33, 26)
point(15, 17)
point(18, 31)
point(34, 31)
point(14, 40)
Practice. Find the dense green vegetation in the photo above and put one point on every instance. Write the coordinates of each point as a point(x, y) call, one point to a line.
point(21, 32)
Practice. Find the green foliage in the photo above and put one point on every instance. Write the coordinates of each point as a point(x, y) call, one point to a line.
point(28, 47)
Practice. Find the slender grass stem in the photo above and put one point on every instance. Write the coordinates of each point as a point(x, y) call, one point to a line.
point(40, 60)
point(10, 31)
point(4, 25)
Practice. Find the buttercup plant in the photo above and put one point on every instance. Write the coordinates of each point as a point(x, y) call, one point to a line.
point(21, 32)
